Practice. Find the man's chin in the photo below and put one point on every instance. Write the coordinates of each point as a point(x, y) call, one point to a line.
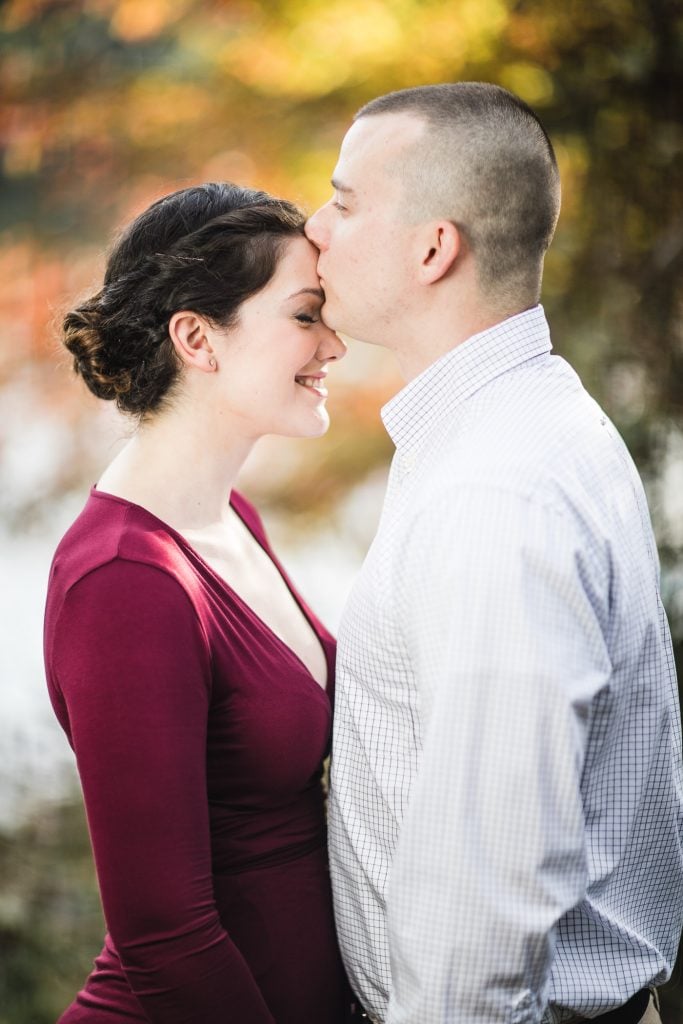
point(332, 315)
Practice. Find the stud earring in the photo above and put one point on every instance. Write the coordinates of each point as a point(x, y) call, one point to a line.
point(212, 363)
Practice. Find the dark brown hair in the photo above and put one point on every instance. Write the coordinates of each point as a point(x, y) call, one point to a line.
point(206, 248)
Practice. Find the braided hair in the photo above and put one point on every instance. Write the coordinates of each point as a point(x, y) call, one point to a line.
point(206, 248)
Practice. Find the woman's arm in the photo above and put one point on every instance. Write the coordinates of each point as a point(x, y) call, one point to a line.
point(133, 666)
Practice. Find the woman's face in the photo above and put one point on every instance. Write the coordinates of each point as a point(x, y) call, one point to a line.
point(273, 362)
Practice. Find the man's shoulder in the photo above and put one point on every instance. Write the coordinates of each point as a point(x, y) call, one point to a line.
point(532, 423)
point(536, 435)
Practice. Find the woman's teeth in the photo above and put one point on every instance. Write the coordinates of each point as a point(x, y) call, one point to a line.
point(311, 382)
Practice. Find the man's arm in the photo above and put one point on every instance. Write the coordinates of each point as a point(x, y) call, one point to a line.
point(502, 614)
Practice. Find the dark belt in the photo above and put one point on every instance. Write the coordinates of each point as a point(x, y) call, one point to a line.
point(630, 1013)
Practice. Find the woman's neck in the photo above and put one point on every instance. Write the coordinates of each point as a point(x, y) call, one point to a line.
point(179, 470)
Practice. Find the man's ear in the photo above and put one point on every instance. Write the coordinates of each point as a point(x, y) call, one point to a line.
point(441, 243)
point(191, 339)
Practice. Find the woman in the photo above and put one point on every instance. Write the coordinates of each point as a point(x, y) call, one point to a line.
point(191, 680)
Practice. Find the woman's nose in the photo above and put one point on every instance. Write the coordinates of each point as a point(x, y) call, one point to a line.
point(331, 347)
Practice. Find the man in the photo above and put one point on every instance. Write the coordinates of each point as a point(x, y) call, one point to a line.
point(506, 797)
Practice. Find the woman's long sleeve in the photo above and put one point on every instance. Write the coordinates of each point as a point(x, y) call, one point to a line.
point(132, 670)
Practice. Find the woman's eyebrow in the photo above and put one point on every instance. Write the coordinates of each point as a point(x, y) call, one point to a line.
point(318, 292)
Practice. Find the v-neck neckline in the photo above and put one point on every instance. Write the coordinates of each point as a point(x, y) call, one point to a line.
point(185, 543)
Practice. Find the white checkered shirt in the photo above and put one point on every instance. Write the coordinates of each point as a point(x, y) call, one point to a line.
point(506, 803)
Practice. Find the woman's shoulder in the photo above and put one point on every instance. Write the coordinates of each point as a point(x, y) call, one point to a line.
point(111, 529)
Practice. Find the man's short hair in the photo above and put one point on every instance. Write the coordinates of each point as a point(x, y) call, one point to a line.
point(485, 163)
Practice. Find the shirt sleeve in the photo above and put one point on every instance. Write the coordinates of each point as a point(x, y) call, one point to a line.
point(503, 620)
point(133, 666)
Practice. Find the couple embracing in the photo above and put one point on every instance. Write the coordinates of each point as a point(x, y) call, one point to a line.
point(504, 822)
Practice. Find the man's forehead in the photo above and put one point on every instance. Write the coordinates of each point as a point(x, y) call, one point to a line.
point(378, 133)
point(370, 143)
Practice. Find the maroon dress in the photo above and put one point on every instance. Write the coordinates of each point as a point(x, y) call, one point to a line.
point(199, 737)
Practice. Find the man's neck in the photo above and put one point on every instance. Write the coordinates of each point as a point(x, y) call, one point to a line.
point(429, 345)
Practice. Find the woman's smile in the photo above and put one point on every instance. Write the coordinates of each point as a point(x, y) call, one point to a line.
point(315, 383)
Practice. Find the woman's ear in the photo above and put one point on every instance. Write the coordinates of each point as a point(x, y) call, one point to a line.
point(190, 336)
point(441, 243)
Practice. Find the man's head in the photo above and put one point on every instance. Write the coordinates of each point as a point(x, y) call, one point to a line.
point(433, 182)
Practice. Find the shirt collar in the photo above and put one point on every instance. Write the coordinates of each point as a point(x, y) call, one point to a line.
point(447, 383)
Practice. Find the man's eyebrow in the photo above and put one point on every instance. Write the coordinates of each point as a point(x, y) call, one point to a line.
point(339, 187)
point(318, 292)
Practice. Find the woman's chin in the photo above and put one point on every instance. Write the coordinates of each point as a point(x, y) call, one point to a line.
point(322, 426)
point(317, 426)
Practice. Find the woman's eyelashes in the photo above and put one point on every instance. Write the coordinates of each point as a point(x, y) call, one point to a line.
point(307, 318)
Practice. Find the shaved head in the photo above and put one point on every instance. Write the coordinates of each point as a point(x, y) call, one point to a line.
point(484, 162)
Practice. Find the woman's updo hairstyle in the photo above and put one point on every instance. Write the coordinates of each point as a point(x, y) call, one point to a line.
point(207, 249)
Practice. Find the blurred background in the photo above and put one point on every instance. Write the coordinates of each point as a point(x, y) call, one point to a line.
point(107, 104)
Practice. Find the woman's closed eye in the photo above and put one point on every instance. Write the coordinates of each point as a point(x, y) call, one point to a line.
point(306, 318)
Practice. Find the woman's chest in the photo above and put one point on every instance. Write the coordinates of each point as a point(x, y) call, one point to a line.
point(256, 583)
point(269, 721)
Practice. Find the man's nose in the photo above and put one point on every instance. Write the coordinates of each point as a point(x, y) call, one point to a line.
point(315, 229)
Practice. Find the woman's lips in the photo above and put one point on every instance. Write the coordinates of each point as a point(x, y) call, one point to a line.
point(314, 382)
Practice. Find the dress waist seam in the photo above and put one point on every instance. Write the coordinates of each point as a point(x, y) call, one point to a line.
point(274, 859)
